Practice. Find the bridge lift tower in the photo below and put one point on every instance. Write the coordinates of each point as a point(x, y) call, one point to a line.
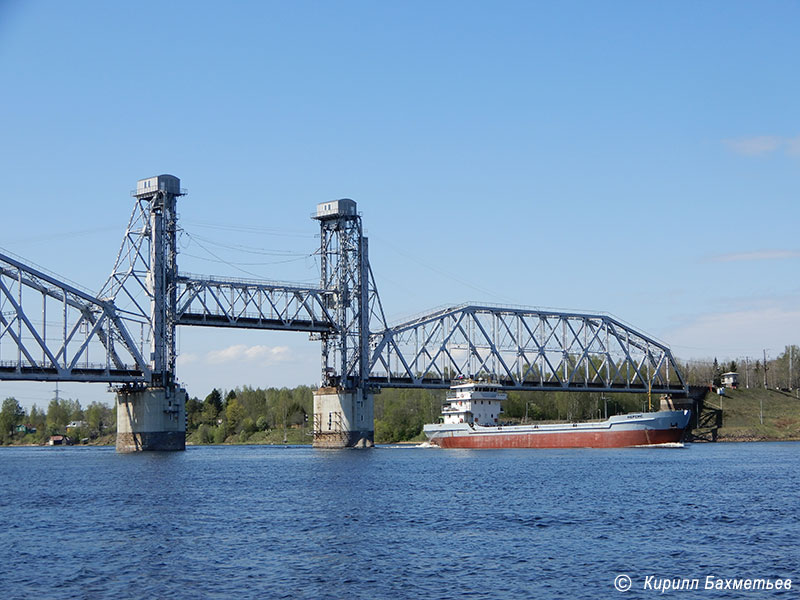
point(343, 405)
point(152, 416)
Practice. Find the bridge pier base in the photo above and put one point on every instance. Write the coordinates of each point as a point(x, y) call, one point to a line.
point(151, 419)
point(343, 419)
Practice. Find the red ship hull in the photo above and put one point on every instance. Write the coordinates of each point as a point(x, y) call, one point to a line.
point(640, 429)
point(604, 439)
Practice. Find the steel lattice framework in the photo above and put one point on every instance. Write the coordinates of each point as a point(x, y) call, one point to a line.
point(72, 336)
point(352, 297)
point(248, 304)
point(523, 349)
point(91, 337)
point(144, 277)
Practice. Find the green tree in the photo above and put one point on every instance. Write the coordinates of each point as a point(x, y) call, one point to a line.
point(37, 419)
point(212, 407)
point(249, 426)
point(234, 415)
point(99, 418)
point(11, 415)
point(229, 396)
point(58, 415)
point(194, 413)
point(717, 372)
point(219, 434)
point(76, 413)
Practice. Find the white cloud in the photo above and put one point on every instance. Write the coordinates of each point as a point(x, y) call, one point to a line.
point(186, 358)
point(262, 355)
point(757, 255)
point(764, 144)
point(754, 146)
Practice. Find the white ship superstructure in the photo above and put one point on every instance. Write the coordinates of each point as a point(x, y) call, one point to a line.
point(473, 402)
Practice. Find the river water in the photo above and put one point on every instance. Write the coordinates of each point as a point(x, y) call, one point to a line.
point(293, 522)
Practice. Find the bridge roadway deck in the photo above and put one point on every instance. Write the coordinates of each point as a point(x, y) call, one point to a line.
point(211, 320)
point(87, 374)
point(510, 386)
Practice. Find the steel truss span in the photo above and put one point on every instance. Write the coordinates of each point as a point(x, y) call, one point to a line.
point(52, 331)
point(249, 304)
point(523, 349)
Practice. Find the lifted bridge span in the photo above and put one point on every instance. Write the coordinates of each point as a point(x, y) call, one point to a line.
point(51, 330)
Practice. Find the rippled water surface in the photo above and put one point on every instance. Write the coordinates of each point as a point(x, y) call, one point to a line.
point(275, 522)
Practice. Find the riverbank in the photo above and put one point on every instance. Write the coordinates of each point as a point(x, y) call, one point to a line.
point(758, 415)
point(748, 415)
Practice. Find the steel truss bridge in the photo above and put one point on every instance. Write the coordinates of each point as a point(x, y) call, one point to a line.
point(125, 333)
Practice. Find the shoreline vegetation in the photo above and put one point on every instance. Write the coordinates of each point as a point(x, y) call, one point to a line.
point(765, 407)
point(255, 416)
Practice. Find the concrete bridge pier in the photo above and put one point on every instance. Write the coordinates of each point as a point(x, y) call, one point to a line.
point(343, 418)
point(151, 418)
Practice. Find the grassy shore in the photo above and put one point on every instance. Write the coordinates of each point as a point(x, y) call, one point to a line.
point(742, 415)
point(294, 436)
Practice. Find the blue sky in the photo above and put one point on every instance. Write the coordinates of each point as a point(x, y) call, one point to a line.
point(636, 158)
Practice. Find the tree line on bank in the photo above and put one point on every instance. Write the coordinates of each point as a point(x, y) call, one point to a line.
point(245, 414)
point(250, 414)
point(62, 417)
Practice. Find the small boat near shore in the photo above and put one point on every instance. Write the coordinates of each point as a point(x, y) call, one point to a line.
point(470, 419)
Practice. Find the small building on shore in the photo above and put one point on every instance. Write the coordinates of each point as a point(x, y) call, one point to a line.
point(730, 380)
point(59, 440)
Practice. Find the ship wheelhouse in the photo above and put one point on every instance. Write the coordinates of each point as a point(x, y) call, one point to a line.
point(474, 403)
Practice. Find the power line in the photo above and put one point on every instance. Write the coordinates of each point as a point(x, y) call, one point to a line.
point(273, 231)
point(245, 249)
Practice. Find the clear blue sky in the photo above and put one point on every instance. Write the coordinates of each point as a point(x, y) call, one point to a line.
point(637, 158)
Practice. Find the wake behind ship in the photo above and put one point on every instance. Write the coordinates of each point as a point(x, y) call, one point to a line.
point(470, 419)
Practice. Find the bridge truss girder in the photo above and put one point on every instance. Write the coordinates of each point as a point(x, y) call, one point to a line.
point(523, 349)
point(72, 337)
point(246, 304)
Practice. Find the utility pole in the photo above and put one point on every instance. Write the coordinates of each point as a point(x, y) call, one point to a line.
point(765, 369)
point(747, 372)
point(791, 381)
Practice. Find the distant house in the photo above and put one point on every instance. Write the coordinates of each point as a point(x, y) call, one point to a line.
point(729, 379)
point(59, 440)
point(25, 429)
point(76, 424)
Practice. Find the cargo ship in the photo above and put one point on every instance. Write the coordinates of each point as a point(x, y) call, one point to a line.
point(471, 419)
